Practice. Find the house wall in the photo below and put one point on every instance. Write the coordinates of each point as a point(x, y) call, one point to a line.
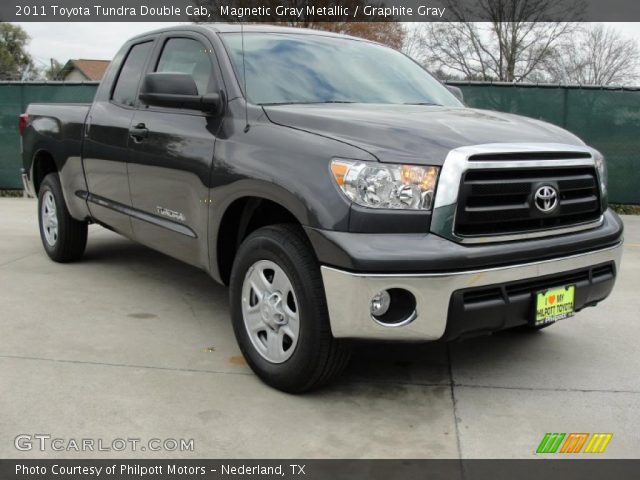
point(75, 76)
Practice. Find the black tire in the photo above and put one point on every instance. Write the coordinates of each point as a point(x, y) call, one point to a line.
point(317, 357)
point(71, 238)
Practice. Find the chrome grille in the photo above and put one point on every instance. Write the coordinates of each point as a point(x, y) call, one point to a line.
point(500, 201)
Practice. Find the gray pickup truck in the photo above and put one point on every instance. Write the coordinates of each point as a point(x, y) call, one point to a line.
point(339, 190)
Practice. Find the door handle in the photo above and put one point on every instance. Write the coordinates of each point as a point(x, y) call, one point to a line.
point(139, 132)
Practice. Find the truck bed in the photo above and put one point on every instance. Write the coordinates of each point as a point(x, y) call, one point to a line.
point(67, 117)
point(56, 128)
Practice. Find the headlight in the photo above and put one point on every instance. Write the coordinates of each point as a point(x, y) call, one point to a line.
point(601, 166)
point(383, 185)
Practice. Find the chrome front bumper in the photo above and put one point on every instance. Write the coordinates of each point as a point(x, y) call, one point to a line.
point(349, 294)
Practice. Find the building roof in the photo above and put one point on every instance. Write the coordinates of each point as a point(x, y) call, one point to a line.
point(92, 69)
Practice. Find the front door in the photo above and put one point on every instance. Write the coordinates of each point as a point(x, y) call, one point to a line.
point(170, 163)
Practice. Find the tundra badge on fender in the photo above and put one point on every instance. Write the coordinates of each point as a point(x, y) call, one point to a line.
point(165, 212)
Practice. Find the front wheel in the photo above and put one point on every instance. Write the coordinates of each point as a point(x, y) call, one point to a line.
point(63, 237)
point(279, 311)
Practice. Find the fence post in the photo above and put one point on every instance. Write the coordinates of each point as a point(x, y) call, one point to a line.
point(565, 106)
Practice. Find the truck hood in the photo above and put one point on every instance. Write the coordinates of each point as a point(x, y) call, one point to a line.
point(415, 133)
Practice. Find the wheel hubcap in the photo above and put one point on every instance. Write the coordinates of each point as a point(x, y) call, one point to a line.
point(270, 311)
point(49, 218)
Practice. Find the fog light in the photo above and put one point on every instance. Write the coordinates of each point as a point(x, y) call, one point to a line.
point(394, 307)
point(380, 303)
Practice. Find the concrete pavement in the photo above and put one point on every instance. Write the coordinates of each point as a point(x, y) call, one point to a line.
point(129, 343)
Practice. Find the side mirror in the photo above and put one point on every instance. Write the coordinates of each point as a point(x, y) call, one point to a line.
point(457, 92)
point(177, 90)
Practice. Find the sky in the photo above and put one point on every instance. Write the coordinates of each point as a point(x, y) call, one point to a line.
point(94, 40)
point(63, 40)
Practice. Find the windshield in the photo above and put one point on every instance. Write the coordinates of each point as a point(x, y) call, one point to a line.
point(286, 68)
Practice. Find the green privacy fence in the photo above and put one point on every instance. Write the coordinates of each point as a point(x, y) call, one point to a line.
point(606, 118)
point(14, 98)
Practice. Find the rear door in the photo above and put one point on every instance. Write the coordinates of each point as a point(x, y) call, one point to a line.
point(170, 165)
point(106, 137)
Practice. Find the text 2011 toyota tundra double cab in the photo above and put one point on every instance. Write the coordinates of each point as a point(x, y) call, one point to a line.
point(335, 186)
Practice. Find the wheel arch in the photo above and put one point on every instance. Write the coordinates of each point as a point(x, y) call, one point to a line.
point(43, 164)
point(241, 217)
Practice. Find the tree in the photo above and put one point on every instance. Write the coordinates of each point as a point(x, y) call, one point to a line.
point(15, 62)
point(597, 56)
point(52, 72)
point(415, 44)
point(517, 41)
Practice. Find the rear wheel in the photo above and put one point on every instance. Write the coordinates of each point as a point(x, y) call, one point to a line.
point(63, 237)
point(279, 311)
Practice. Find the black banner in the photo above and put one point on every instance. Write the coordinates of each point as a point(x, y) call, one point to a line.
point(300, 12)
point(320, 469)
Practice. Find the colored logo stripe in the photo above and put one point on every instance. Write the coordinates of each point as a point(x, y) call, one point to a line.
point(598, 442)
point(550, 443)
point(574, 442)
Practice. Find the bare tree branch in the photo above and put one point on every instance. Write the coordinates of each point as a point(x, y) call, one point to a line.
point(597, 56)
point(512, 46)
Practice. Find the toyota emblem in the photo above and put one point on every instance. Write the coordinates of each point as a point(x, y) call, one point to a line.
point(546, 198)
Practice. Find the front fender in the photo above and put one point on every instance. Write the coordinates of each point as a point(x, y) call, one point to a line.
point(286, 166)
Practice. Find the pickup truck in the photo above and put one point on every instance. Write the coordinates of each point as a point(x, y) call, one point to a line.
point(339, 189)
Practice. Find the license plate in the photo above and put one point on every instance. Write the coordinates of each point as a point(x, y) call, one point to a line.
point(554, 304)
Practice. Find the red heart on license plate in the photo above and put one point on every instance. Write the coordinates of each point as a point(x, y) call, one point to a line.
point(552, 299)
